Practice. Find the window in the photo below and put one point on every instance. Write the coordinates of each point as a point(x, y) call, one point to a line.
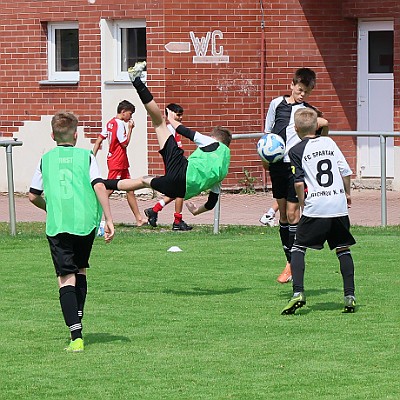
point(380, 47)
point(63, 52)
point(130, 38)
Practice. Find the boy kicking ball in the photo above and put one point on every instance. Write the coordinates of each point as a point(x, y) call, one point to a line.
point(318, 163)
point(184, 177)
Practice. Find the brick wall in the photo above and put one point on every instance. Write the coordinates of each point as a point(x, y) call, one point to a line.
point(385, 9)
point(297, 33)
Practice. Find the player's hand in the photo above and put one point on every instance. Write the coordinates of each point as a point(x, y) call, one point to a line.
point(191, 207)
point(131, 124)
point(171, 116)
point(109, 231)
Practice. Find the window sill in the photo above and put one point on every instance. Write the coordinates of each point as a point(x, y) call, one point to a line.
point(117, 83)
point(58, 83)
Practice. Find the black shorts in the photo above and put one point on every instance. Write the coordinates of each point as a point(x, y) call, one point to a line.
point(70, 252)
point(173, 183)
point(314, 232)
point(282, 180)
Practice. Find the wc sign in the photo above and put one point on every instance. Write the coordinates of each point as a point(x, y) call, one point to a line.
point(202, 48)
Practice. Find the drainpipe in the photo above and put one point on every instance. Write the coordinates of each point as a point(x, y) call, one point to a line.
point(262, 82)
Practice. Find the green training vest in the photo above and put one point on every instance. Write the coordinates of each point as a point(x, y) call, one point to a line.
point(205, 169)
point(71, 202)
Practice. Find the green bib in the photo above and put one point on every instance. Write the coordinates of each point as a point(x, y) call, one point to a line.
point(205, 169)
point(71, 203)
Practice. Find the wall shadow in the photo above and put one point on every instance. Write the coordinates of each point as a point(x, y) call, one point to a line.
point(336, 39)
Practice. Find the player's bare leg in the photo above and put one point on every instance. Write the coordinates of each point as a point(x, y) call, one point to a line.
point(286, 275)
point(135, 184)
point(136, 76)
point(130, 196)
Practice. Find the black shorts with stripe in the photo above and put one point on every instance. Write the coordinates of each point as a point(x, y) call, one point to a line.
point(314, 232)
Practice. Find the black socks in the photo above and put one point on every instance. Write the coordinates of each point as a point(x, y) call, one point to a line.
point(142, 90)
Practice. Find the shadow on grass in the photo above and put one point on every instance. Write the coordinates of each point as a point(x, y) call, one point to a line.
point(196, 291)
point(327, 306)
point(309, 293)
point(91, 338)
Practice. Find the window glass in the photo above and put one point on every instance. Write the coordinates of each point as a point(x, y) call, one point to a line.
point(380, 52)
point(133, 46)
point(67, 50)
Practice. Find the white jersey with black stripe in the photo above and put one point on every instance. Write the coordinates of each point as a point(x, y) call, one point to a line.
point(280, 120)
point(319, 163)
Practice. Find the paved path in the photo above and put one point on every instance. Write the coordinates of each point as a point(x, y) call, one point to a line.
point(236, 209)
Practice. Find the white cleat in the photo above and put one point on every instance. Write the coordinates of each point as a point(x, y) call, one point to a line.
point(267, 219)
point(137, 71)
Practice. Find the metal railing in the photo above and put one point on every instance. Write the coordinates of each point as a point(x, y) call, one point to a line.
point(9, 144)
point(382, 149)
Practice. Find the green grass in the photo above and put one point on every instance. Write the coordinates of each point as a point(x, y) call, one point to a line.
point(203, 323)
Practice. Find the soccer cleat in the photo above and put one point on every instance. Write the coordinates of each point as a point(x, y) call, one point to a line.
point(137, 70)
point(349, 304)
point(267, 219)
point(286, 275)
point(182, 226)
point(298, 300)
point(152, 217)
point(75, 346)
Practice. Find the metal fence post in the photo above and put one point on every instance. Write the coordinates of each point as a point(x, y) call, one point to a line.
point(382, 147)
point(8, 144)
point(217, 214)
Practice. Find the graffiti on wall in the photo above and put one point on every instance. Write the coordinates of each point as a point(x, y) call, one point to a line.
point(202, 48)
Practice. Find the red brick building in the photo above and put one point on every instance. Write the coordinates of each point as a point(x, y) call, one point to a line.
point(222, 61)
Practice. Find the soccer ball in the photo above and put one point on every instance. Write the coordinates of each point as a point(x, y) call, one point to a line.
point(271, 147)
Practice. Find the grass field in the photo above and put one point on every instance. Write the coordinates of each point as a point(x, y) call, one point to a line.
point(203, 323)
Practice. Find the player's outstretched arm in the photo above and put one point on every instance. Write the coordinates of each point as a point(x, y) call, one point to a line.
point(97, 145)
point(209, 205)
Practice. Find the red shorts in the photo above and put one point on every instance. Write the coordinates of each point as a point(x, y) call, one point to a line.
point(118, 174)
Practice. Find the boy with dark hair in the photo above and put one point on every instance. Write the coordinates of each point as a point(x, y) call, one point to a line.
point(184, 177)
point(117, 158)
point(75, 197)
point(319, 164)
point(280, 120)
point(152, 213)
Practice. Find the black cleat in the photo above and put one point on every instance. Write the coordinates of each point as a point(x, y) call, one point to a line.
point(349, 304)
point(152, 217)
point(182, 226)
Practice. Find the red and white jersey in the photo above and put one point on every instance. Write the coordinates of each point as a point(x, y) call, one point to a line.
point(115, 133)
point(319, 163)
point(177, 137)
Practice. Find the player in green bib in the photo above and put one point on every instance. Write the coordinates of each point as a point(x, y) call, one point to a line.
point(74, 198)
point(184, 177)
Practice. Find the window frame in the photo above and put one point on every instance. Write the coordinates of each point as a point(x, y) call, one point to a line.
point(53, 74)
point(119, 74)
